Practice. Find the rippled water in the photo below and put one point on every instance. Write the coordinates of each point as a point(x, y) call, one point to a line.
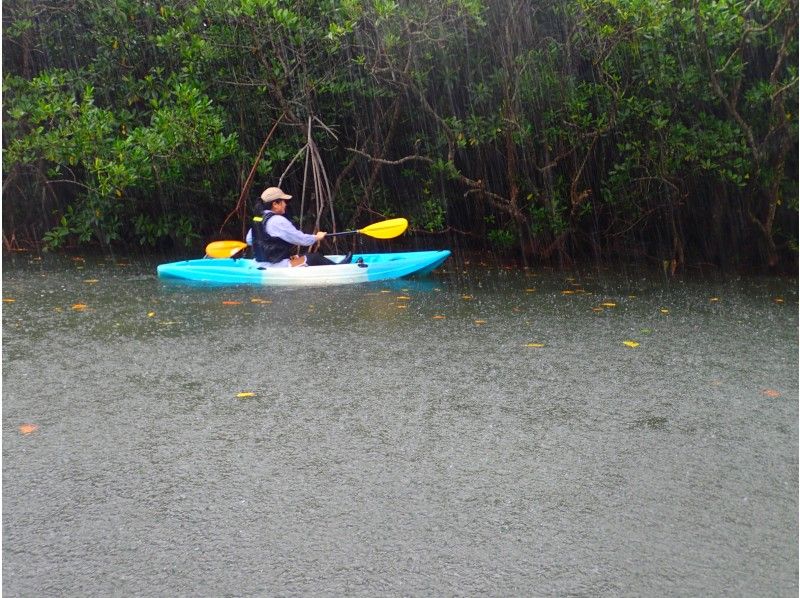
point(480, 431)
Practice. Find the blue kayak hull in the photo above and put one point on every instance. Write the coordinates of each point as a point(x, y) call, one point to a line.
point(375, 267)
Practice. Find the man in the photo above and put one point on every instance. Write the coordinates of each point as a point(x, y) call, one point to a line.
point(274, 237)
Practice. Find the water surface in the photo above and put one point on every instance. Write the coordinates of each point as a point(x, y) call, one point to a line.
point(479, 431)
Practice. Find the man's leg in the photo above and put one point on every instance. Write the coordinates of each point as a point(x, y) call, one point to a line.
point(317, 259)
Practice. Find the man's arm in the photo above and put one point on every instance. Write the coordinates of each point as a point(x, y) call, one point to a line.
point(279, 226)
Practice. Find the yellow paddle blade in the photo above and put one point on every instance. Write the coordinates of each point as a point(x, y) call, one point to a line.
point(388, 229)
point(224, 249)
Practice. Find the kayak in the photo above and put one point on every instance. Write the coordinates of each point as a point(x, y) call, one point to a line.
point(373, 267)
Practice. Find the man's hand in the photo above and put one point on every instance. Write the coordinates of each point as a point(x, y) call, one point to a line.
point(320, 235)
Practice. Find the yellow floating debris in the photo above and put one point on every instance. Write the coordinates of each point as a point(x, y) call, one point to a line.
point(403, 297)
point(79, 306)
point(771, 393)
point(535, 345)
point(778, 300)
point(91, 280)
point(244, 395)
point(8, 300)
point(608, 304)
point(151, 314)
point(714, 299)
point(597, 309)
point(26, 429)
point(467, 297)
point(567, 292)
point(631, 344)
point(438, 317)
point(231, 303)
point(402, 306)
point(260, 301)
point(530, 290)
point(664, 310)
point(480, 322)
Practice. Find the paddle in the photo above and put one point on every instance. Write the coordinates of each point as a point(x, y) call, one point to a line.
point(224, 249)
point(387, 229)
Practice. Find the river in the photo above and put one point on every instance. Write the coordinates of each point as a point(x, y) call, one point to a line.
point(481, 431)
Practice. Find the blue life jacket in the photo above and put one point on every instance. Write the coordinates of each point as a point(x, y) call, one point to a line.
point(265, 247)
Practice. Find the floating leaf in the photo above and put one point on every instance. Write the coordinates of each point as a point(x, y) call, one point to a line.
point(467, 297)
point(714, 299)
point(664, 310)
point(438, 317)
point(480, 322)
point(771, 393)
point(403, 297)
point(244, 395)
point(8, 300)
point(631, 344)
point(530, 290)
point(567, 292)
point(231, 303)
point(535, 345)
point(151, 314)
point(778, 300)
point(609, 304)
point(26, 429)
point(79, 306)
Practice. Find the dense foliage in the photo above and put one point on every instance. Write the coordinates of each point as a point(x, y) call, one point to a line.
point(553, 129)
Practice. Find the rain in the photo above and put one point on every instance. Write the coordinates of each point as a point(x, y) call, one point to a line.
point(590, 389)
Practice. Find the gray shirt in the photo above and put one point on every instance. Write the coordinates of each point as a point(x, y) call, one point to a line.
point(279, 226)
